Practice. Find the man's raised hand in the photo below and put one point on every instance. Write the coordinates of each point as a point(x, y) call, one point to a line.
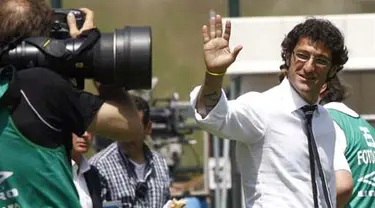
point(217, 55)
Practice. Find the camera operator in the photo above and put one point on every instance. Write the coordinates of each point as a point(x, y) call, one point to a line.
point(36, 128)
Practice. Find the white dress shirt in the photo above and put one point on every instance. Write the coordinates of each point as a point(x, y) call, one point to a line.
point(272, 147)
point(80, 182)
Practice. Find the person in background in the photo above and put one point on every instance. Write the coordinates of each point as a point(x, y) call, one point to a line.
point(355, 139)
point(85, 176)
point(100, 143)
point(131, 172)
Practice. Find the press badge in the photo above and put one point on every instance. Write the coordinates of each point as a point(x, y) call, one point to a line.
point(112, 204)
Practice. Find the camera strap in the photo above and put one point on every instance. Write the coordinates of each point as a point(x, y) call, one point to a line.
point(52, 47)
point(90, 36)
point(57, 48)
point(6, 46)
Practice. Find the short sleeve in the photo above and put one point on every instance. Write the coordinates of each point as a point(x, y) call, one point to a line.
point(50, 108)
point(340, 162)
point(79, 108)
point(58, 101)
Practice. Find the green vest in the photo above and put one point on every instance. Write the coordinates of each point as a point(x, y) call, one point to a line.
point(360, 154)
point(32, 175)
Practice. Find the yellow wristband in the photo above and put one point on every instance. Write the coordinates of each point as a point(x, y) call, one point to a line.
point(215, 74)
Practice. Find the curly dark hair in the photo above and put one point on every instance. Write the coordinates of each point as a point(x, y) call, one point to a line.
point(336, 91)
point(318, 30)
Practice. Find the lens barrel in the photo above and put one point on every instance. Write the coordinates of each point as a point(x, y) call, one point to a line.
point(123, 57)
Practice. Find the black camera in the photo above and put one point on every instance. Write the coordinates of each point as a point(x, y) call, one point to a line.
point(171, 118)
point(59, 27)
point(123, 58)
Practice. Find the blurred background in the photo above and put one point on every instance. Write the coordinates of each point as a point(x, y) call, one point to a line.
point(178, 65)
point(176, 28)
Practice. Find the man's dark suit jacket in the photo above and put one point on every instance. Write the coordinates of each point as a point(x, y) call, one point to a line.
point(93, 184)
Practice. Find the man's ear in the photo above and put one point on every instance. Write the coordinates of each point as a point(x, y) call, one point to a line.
point(323, 89)
point(148, 129)
point(322, 93)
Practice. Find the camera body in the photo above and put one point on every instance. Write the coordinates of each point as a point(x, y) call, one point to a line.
point(60, 27)
point(171, 118)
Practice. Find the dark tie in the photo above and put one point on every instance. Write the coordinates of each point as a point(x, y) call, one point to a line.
point(308, 111)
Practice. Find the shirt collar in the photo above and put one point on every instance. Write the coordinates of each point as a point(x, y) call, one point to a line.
point(149, 164)
point(83, 168)
point(341, 107)
point(292, 100)
point(146, 151)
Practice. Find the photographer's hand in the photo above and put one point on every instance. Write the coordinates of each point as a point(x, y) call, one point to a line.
point(87, 25)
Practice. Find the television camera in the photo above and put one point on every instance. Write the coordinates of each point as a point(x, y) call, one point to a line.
point(172, 120)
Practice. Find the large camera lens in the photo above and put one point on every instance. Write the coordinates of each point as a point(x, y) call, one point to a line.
point(124, 58)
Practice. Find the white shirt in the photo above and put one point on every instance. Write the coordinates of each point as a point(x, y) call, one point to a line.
point(80, 182)
point(139, 170)
point(340, 135)
point(272, 148)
